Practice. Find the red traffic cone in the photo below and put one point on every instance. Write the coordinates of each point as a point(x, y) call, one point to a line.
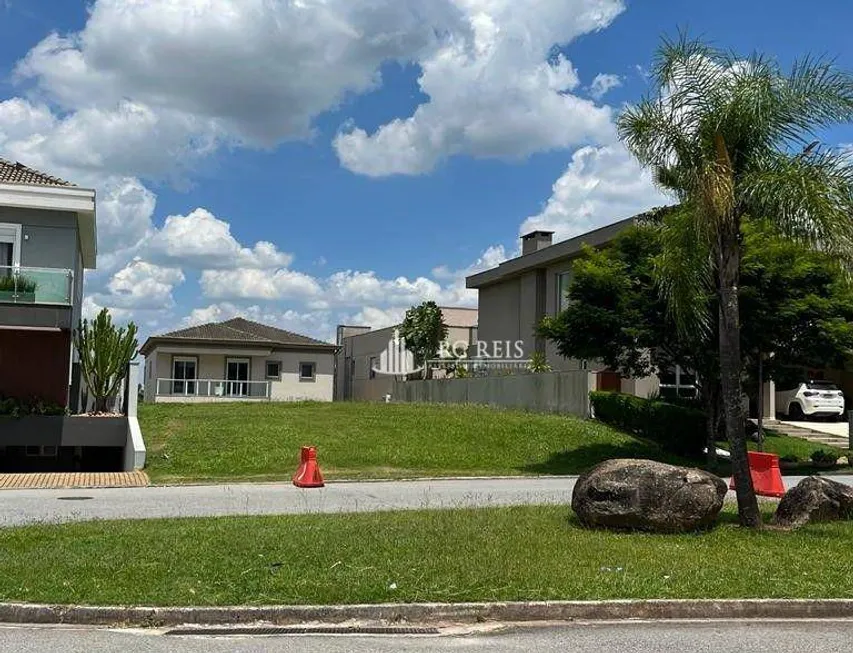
point(308, 474)
point(766, 476)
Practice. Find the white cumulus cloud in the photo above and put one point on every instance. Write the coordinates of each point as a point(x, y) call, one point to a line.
point(505, 95)
point(600, 186)
point(201, 240)
point(603, 83)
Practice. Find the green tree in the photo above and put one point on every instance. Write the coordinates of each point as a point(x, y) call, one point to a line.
point(731, 137)
point(617, 316)
point(796, 303)
point(105, 352)
point(424, 330)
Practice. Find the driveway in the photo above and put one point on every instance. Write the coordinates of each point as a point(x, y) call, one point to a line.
point(836, 429)
point(19, 507)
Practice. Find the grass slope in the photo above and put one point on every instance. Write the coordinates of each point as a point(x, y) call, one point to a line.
point(454, 555)
point(362, 440)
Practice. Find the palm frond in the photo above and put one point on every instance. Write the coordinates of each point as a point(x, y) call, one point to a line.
point(818, 95)
point(684, 270)
point(808, 197)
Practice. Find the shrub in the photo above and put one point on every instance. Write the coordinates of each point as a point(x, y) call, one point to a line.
point(10, 283)
point(17, 408)
point(824, 457)
point(677, 429)
point(538, 363)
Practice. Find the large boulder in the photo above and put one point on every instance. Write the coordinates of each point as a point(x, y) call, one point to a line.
point(648, 496)
point(815, 498)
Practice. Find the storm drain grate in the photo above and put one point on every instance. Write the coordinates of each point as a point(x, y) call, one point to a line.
point(304, 630)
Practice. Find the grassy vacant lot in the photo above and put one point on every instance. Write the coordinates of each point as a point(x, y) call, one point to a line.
point(453, 555)
point(188, 443)
point(363, 440)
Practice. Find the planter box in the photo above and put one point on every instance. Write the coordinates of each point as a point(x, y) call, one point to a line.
point(43, 430)
point(85, 431)
point(63, 431)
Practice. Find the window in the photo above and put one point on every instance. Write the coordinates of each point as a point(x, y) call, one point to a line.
point(237, 377)
point(10, 247)
point(563, 281)
point(307, 371)
point(184, 375)
point(273, 370)
point(677, 383)
point(371, 367)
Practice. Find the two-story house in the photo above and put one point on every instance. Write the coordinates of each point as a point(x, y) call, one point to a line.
point(515, 296)
point(47, 238)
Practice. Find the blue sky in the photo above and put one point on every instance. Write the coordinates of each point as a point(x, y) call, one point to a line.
point(338, 164)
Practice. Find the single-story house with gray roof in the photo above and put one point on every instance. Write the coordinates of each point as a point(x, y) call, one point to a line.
point(237, 360)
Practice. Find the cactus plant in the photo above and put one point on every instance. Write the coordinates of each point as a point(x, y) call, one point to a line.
point(105, 352)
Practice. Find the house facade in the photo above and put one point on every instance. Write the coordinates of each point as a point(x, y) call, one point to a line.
point(362, 347)
point(515, 296)
point(237, 360)
point(48, 237)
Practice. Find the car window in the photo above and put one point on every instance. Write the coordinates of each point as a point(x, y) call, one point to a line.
point(821, 385)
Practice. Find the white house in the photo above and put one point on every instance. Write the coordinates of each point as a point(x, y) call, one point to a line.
point(237, 360)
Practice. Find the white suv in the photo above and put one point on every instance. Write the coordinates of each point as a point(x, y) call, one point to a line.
point(811, 399)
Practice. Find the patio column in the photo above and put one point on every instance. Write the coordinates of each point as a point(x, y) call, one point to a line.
point(769, 403)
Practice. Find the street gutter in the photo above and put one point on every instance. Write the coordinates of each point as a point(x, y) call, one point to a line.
point(429, 613)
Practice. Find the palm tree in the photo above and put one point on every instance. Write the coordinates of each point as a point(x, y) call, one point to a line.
point(732, 137)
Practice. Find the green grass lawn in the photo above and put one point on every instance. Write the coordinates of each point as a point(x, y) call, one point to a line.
point(205, 442)
point(785, 445)
point(453, 555)
point(217, 442)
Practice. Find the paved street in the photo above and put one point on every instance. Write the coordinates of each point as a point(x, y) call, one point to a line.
point(31, 506)
point(710, 637)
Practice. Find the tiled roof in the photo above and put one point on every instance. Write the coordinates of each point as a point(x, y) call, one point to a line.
point(18, 173)
point(270, 333)
point(241, 331)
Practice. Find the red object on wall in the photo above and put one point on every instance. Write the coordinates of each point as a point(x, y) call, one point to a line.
point(766, 475)
point(35, 365)
point(609, 381)
point(308, 475)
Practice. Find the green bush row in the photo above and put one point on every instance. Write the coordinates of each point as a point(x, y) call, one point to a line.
point(677, 429)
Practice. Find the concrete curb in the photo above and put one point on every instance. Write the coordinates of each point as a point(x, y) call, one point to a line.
point(426, 613)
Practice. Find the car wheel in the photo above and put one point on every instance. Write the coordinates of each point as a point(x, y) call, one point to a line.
point(795, 413)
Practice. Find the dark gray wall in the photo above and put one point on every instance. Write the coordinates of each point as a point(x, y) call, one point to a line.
point(561, 392)
point(48, 238)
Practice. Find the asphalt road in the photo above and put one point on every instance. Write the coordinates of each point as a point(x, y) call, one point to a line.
point(18, 507)
point(710, 637)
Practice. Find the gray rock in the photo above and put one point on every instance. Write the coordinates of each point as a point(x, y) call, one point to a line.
point(814, 499)
point(648, 496)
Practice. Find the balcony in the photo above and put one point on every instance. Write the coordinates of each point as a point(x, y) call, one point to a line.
point(210, 390)
point(43, 286)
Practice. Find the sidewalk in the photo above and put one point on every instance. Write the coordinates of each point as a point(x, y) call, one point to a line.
point(73, 480)
point(18, 507)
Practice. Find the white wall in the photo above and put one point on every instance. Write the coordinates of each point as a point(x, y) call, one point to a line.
point(290, 387)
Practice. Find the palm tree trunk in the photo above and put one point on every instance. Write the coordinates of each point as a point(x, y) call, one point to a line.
point(730, 371)
point(710, 394)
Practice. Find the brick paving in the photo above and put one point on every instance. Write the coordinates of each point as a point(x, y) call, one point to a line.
point(72, 480)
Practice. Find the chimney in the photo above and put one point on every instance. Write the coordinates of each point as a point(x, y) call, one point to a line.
point(536, 240)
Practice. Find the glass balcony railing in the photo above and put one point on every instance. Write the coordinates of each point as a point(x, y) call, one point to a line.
point(21, 285)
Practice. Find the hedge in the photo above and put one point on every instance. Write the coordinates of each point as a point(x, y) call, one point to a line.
point(677, 429)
